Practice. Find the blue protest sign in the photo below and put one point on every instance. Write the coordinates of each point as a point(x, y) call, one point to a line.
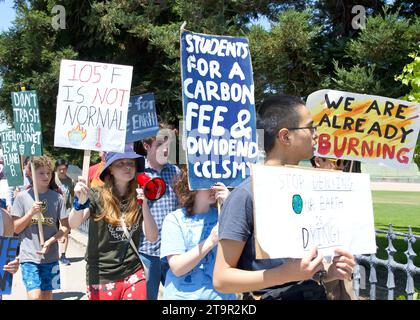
point(8, 252)
point(219, 109)
point(142, 121)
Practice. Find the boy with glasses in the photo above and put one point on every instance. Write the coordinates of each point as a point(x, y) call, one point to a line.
point(289, 137)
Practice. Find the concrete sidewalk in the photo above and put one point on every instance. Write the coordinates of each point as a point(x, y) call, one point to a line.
point(395, 186)
point(73, 282)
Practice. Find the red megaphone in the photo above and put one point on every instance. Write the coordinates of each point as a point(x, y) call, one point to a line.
point(153, 189)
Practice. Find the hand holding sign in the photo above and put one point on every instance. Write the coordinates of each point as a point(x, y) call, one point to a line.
point(81, 191)
point(221, 192)
point(45, 248)
point(342, 266)
point(12, 267)
point(36, 208)
point(305, 268)
point(8, 262)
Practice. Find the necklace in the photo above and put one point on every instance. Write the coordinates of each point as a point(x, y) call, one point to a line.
point(124, 205)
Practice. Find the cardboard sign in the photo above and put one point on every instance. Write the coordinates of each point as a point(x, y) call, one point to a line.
point(365, 127)
point(27, 123)
point(219, 109)
point(11, 158)
point(92, 106)
point(297, 209)
point(142, 120)
point(8, 252)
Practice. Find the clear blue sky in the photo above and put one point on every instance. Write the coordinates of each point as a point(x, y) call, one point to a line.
point(7, 15)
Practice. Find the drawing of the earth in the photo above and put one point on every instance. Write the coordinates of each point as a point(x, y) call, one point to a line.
point(75, 138)
point(297, 203)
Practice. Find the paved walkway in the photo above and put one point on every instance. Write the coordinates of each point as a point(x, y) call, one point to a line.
point(395, 186)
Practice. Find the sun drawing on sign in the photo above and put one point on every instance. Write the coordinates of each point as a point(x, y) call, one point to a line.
point(77, 135)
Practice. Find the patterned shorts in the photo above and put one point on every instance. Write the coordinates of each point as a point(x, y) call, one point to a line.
point(45, 276)
point(132, 287)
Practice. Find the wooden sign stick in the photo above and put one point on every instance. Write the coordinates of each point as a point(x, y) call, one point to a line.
point(351, 166)
point(85, 172)
point(34, 184)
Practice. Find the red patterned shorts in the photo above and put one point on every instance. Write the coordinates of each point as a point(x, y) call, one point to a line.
point(132, 287)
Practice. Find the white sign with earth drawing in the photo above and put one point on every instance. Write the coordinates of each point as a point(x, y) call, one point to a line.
point(296, 209)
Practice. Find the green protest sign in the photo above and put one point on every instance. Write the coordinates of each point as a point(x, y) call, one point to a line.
point(11, 158)
point(27, 123)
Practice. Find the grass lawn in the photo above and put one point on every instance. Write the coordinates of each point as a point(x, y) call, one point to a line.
point(401, 209)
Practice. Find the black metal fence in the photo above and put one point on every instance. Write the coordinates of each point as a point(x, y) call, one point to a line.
point(371, 262)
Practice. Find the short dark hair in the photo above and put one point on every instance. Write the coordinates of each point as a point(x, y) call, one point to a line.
point(138, 145)
point(61, 162)
point(313, 163)
point(275, 113)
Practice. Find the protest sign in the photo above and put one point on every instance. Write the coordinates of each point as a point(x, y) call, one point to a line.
point(365, 127)
point(27, 123)
point(8, 252)
point(92, 105)
point(142, 120)
point(219, 109)
point(11, 158)
point(302, 208)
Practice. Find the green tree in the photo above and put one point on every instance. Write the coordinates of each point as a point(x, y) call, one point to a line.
point(282, 57)
point(379, 51)
point(411, 77)
point(309, 44)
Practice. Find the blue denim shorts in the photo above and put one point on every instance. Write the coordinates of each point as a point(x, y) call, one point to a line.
point(44, 276)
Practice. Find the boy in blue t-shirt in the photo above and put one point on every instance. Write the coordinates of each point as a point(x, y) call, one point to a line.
point(289, 137)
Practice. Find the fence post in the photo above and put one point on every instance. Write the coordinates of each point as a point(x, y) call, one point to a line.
point(390, 249)
point(372, 276)
point(356, 277)
point(410, 239)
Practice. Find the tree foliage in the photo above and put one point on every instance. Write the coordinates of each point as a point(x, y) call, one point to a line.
point(410, 77)
point(309, 45)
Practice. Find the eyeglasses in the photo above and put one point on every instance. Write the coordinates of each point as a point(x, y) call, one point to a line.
point(312, 128)
point(122, 164)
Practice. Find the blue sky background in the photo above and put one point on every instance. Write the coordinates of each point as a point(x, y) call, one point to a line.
point(7, 15)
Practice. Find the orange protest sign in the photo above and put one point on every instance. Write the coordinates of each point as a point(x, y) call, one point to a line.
point(365, 127)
